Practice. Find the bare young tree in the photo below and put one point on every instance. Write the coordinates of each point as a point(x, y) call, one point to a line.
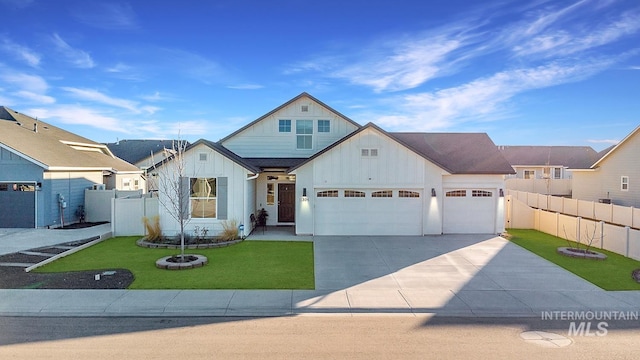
point(174, 187)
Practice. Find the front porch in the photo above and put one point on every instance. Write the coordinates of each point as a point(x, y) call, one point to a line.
point(280, 233)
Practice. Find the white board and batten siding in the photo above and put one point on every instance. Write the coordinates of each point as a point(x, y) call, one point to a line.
point(203, 162)
point(355, 182)
point(263, 139)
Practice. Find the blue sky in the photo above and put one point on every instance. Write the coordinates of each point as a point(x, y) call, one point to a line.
point(525, 72)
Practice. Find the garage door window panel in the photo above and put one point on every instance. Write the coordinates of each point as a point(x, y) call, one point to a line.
point(327, 194)
point(456, 193)
point(408, 194)
point(382, 194)
point(354, 194)
point(481, 193)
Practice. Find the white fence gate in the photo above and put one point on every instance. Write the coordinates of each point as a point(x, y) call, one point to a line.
point(128, 214)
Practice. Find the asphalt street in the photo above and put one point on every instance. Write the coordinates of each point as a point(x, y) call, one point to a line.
point(310, 336)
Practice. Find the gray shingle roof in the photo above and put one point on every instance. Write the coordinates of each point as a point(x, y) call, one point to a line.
point(46, 144)
point(134, 151)
point(457, 153)
point(573, 157)
point(264, 163)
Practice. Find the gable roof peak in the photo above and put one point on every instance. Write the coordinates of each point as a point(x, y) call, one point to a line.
point(291, 101)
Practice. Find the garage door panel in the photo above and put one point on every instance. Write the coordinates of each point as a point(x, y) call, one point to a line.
point(17, 207)
point(368, 215)
point(469, 214)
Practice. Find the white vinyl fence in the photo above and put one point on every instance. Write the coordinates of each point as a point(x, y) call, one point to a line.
point(603, 234)
point(128, 214)
point(609, 213)
point(97, 203)
point(540, 186)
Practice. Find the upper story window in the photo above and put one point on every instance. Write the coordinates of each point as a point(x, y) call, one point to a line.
point(324, 126)
point(529, 174)
point(557, 173)
point(203, 197)
point(624, 183)
point(304, 108)
point(304, 131)
point(284, 126)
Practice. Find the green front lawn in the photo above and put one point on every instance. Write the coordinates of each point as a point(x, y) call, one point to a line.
point(247, 265)
point(614, 273)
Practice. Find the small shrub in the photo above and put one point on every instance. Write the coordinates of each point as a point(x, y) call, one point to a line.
point(154, 233)
point(230, 230)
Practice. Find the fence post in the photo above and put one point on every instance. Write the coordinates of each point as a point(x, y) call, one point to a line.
point(626, 231)
point(557, 225)
point(601, 234)
point(113, 216)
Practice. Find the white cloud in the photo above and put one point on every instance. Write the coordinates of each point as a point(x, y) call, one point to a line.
point(245, 87)
point(482, 99)
point(79, 115)
point(35, 97)
point(21, 52)
point(604, 141)
point(106, 15)
point(562, 42)
point(24, 81)
point(96, 96)
point(77, 57)
point(31, 88)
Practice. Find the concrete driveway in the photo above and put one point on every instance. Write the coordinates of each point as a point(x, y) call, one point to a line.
point(452, 274)
point(454, 262)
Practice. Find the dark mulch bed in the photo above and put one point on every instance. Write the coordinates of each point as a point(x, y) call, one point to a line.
point(81, 225)
point(17, 278)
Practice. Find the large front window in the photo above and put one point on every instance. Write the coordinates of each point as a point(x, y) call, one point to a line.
point(304, 131)
point(203, 197)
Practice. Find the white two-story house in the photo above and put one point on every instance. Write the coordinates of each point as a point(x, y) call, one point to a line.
point(315, 169)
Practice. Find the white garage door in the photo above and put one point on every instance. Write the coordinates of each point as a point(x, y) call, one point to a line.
point(469, 211)
point(368, 212)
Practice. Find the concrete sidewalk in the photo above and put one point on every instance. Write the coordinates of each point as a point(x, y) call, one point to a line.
point(465, 275)
point(464, 303)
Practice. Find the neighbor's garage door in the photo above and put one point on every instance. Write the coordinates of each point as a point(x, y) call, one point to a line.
point(17, 205)
point(368, 212)
point(469, 211)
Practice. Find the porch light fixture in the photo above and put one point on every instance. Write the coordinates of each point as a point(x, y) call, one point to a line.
point(501, 193)
point(304, 195)
point(433, 192)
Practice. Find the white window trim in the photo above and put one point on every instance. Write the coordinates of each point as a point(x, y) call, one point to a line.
point(305, 135)
point(191, 198)
point(624, 180)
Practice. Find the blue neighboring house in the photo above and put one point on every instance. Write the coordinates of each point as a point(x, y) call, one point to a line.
point(44, 171)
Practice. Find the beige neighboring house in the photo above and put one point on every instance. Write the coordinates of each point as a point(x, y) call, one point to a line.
point(44, 171)
point(546, 169)
point(614, 177)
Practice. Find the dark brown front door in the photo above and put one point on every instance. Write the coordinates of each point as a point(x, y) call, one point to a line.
point(286, 202)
